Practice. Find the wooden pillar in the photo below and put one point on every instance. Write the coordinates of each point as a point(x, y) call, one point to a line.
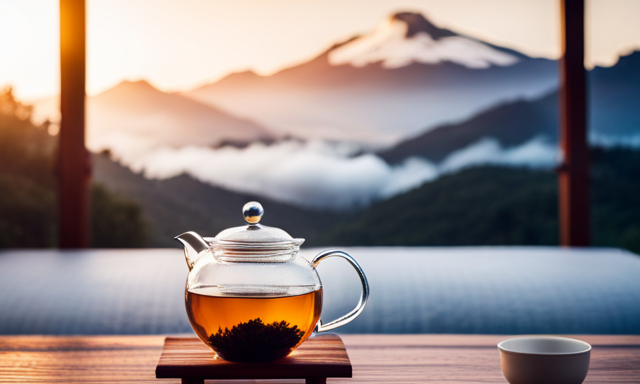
point(574, 172)
point(73, 160)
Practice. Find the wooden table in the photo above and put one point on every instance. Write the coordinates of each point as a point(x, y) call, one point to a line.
point(375, 358)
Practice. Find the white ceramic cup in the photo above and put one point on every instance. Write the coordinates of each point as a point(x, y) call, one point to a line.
point(544, 359)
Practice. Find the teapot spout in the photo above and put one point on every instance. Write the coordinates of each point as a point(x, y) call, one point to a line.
point(194, 247)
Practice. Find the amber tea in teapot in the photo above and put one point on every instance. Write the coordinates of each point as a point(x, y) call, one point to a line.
point(253, 328)
point(250, 296)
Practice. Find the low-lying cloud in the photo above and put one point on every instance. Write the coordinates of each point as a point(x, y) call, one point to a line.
point(536, 153)
point(323, 175)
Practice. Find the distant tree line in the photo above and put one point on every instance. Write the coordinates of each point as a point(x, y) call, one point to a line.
point(503, 206)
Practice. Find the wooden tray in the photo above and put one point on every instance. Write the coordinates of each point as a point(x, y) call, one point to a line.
point(316, 359)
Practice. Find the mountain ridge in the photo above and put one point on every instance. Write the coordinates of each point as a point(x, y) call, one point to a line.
point(375, 104)
point(149, 117)
point(612, 95)
point(182, 203)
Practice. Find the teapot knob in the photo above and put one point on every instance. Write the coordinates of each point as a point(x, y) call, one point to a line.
point(252, 212)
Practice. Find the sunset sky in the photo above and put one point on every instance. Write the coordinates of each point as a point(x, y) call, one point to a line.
point(178, 45)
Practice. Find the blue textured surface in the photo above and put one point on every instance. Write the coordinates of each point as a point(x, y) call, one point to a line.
point(490, 290)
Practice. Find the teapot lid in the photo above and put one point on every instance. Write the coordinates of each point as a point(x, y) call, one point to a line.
point(255, 235)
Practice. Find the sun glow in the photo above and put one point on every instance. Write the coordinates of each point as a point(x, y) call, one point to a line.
point(178, 45)
point(29, 42)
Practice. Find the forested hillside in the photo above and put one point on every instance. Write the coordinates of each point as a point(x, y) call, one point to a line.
point(503, 206)
point(28, 216)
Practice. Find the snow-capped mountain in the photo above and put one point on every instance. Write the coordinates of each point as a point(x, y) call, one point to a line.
point(385, 85)
point(394, 46)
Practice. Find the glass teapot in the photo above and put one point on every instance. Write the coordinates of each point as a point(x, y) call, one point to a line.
point(250, 296)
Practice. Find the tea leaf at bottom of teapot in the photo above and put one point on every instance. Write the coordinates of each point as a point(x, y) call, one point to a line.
point(256, 341)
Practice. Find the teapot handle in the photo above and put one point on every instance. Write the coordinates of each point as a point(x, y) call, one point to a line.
point(363, 298)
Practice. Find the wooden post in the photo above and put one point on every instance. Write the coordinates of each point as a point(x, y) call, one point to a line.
point(73, 160)
point(573, 180)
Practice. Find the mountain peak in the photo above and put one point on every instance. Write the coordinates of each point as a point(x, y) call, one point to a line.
point(406, 38)
point(135, 84)
point(416, 23)
point(128, 87)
